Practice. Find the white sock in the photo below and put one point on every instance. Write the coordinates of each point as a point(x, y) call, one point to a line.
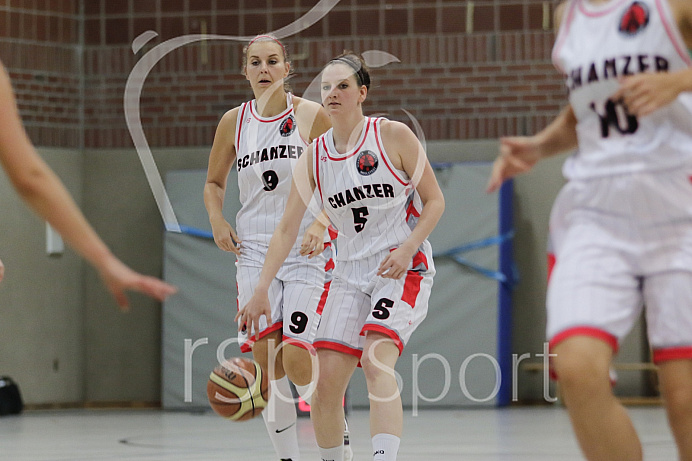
point(385, 447)
point(306, 392)
point(332, 454)
point(280, 418)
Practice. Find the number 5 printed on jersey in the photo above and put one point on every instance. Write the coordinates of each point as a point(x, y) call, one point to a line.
point(359, 218)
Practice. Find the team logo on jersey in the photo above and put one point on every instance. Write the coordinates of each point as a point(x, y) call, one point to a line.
point(288, 126)
point(366, 162)
point(635, 19)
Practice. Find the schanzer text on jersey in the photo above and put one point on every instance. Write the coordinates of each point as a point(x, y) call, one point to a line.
point(270, 153)
point(362, 192)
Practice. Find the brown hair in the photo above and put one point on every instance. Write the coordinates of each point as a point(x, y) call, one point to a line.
point(355, 62)
point(267, 38)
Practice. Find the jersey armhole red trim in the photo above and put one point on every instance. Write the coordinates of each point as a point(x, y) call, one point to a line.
point(383, 153)
point(562, 35)
point(316, 166)
point(238, 128)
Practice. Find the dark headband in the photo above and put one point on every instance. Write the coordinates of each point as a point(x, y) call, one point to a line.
point(361, 77)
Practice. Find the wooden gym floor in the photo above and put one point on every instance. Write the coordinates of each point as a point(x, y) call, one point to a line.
point(518, 433)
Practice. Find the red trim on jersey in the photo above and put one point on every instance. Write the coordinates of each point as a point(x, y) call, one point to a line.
point(592, 332)
point(595, 14)
point(672, 353)
point(334, 233)
point(385, 331)
point(240, 127)
point(411, 288)
point(356, 149)
point(323, 298)
point(316, 168)
point(411, 210)
point(562, 36)
point(247, 345)
point(671, 35)
point(383, 154)
point(551, 264)
point(338, 347)
point(277, 118)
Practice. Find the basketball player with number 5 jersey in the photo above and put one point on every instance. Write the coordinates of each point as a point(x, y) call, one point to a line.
point(621, 228)
point(378, 189)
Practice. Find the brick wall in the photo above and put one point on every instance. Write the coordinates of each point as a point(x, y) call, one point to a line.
point(494, 80)
point(38, 45)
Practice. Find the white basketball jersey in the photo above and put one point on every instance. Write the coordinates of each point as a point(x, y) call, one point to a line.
point(597, 45)
point(371, 204)
point(267, 150)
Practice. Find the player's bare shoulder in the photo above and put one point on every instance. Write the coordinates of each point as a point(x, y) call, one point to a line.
point(682, 11)
point(400, 143)
point(228, 122)
point(311, 117)
point(559, 14)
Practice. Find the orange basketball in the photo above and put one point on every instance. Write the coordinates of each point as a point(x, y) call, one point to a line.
point(238, 389)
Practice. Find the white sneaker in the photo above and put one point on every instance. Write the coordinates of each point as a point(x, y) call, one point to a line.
point(348, 451)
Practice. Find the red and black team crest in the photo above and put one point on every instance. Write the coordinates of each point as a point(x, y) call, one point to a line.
point(288, 126)
point(366, 162)
point(635, 19)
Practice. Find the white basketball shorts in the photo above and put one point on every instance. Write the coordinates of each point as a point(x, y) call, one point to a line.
point(623, 243)
point(360, 301)
point(297, 294)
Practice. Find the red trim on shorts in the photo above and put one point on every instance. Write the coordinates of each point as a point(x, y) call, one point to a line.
point(672, 353)
point(334, 233)
point(329, 266)
point(551, 264)
point(338, 347)
point(323, 298)
point(385, 331)
point(247, 345)
point(411, 288)
point(592, 332)
point(298, 343)
point(420, 258)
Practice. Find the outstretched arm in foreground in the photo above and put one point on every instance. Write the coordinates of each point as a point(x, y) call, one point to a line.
point(43, 191)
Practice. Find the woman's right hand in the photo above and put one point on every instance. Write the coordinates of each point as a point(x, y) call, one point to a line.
point(517, 155)
point(225, 237)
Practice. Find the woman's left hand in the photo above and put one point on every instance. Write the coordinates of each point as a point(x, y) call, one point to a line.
point(313, 240)
point(643, 94)
point(395, 264)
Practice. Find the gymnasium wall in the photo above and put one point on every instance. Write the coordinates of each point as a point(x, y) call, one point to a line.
point(70, 60)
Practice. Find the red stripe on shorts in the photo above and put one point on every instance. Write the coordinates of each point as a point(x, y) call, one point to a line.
point(411, 288)
point(672, 353)
point(420, 258)
point(247, 345)
point(385, 331)
point(592, 332)
point(338, 347)
point(323, 298)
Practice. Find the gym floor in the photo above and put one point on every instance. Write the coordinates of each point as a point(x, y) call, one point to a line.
point(517, 433)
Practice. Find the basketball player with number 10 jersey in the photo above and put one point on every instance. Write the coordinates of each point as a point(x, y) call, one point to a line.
point(621, 228)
